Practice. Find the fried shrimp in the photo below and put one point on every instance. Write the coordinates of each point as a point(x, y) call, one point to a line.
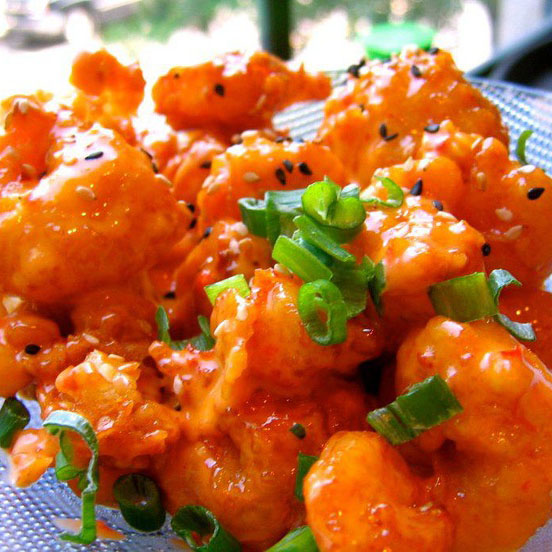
point(362, 497)
point(234, 92)
point(93, 213)
point(365, 127)
point(492, 461)
point(259, 164)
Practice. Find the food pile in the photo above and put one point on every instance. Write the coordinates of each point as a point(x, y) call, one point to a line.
point(335, 345)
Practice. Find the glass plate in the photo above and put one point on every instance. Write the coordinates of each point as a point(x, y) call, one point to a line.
point(27, 515)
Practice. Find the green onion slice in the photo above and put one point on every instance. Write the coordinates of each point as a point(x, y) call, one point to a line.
point(395, 195)
point(314, 234)
point(57, 423)
point(498, 280)
point(253, 212)
point(520, 146)
point(304, 464)
point(298, 540)
point(139, 500)
point(353, 284)
point(463, 299)
point(14, 416)
point(202, 342)
point(425, 405)
point(324, 202)
point(195, 520)
point(237, 282)
point(323, 312)
point(298, 430)
point(377, 285)
point(299, 260)
point(523, 332)
point(65, 467)
point(281, 208)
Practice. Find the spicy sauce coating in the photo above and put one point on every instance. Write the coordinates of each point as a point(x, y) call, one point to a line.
point(379, 119)
point(234, 92)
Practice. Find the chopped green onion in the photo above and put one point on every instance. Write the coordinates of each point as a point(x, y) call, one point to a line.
point(299, 260)
point(323, 312)
point(304, 464)
point(281, 208)
point(322, 256)
point(351, 190)
point(424, 405)
point(463, 299)
point(395, 195)
point(13, 417)
point(298, 430)
point(313, 233)
point(520, 146)
point(237, 282)
point(65, 467)
point(498, 280)
point(202, 342)
point(377, 285)
point(253, 212)
point(139, 500)
point(353, 283)
point(57, 423)
point(523, 332)
point(323, 201)
point(298, 540)
point(195, 520)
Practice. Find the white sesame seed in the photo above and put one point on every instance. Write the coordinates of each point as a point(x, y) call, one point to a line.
point(514, 232)
point(481, 178)
point(527, 169)
point(240, 228)
point(251, 176)
point(22, 105)
point(504, 214)
point(91, 339)
point(85, 193)
point(164, 179)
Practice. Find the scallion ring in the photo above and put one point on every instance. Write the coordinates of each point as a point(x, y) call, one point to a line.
point(298, 540)
point(304, 464)
point(195, 520)
point(14, 416)
point(253, 212)
point(299, 260)
point(395, 195)
point(323, 312)
point(139, 500)
point(237, 282)
point(520, 146)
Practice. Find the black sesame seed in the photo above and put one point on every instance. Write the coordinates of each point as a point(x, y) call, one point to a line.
point(416, 190)
point(192, 224)
point(298, 430)
point(154, 167)
point(191, 206)
point(535, 193)
point(219, 89)
point(415, 70)
point(32, 349)
point(207, 232)
point(390, 137)
point(432, 128)
point(288, 165)
point(176, 75)
point(438, 205)
point(433, 50)
point(205, 165)
point(486, 249)
point(354, 71)
point(146, 152)
point(361, 107)
point(299, 140)
point(170, 295)
point(280, 175)
point(383, 130)
point(280, 139)
point(304, 168)
point(95, 155)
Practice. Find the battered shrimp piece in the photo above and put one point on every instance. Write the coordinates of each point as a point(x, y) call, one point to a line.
point(419, 246)
point(228, 249)
point(96, 216)
point(525, 304)
point(378, 120)
point(103, 389)
point(509, 203)
point(249, 355)
point(258, 164)
point(362, 497)
point(492, 461)
point(234, 92)
point(246, 475)
point(32, 452)
point(109, 92)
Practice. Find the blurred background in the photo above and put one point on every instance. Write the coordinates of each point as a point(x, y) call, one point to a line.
point(507, 39)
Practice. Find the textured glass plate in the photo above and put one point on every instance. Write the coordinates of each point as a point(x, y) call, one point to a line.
point(26, 516)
